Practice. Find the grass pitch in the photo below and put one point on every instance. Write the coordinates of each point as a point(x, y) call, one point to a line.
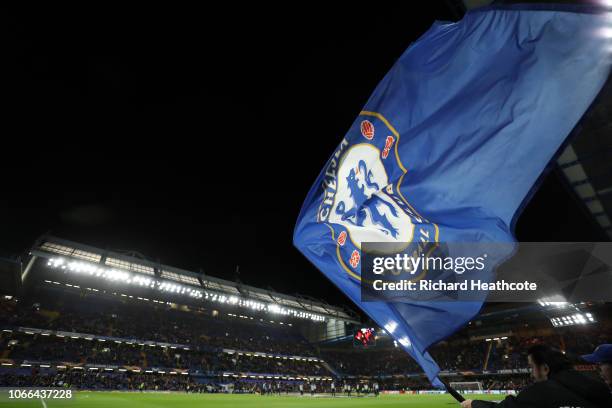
point(87, 399)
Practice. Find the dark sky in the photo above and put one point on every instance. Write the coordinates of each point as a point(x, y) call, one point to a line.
point(193, 136)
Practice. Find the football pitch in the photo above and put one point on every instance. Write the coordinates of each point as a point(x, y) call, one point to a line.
point(178, 400)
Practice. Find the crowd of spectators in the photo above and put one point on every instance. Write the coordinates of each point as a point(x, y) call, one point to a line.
point(51, 349)
point(163, 324)
point(157, 382)
point(463, 355)
point(206, 338)
point(394, 361)
point(106, 381)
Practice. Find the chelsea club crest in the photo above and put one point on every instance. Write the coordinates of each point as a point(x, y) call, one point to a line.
point(362, 200)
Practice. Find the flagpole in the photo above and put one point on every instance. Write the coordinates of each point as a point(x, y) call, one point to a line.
point(452, 391)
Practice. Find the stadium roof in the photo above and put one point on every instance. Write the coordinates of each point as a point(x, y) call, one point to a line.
point(587, 162)
point(52, 247)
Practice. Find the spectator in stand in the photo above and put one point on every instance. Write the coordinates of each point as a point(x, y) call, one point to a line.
point(556, 385)
point(603, 357)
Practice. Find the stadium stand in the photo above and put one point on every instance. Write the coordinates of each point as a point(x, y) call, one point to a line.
point(76, 333)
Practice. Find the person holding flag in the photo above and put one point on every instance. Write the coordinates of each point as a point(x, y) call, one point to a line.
point(449, 148)
point(556, 385)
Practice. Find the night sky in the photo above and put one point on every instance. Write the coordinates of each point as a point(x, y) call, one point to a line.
point(193, 136)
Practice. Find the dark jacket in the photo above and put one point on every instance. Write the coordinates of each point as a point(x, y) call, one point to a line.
point(565, 388)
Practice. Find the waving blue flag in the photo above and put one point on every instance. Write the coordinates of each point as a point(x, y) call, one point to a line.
point(449, 146)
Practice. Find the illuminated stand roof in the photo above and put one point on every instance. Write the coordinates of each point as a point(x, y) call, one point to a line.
point(107, 265)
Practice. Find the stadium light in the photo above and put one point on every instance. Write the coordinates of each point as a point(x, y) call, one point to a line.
point(557, 301)
point(129, 278)
point(572, 320)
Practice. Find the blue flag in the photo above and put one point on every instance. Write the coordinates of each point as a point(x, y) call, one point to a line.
point(448, 148)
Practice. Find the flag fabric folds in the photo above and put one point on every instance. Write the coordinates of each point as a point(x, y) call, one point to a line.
point(449, 147)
